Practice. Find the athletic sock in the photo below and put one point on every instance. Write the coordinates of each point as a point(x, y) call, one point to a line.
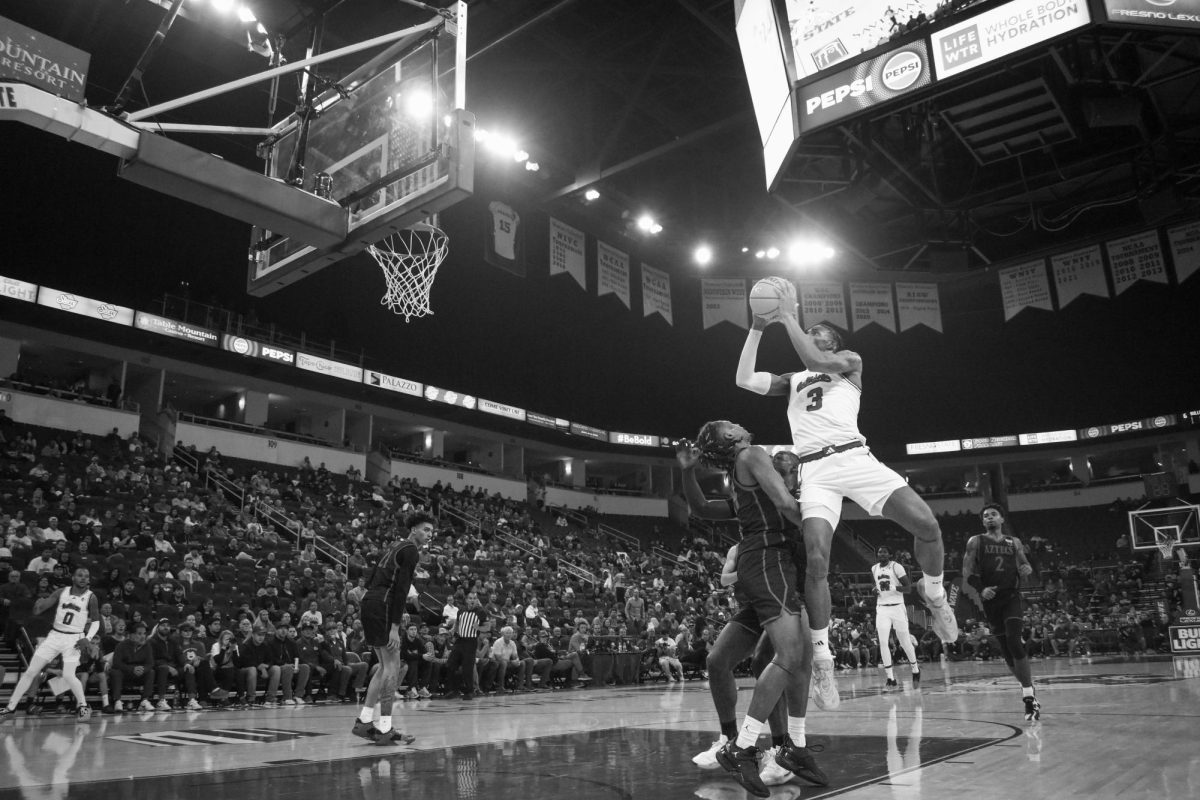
point(748, 735)
point(777, 740)
point(915, 668)
point(796, 730)
point(891, 673)
point(1026, 691)
point(384, 724)
point(367, 714)
point(729, 729)
point(375, 712)
point(933, 587)
point(820, 641)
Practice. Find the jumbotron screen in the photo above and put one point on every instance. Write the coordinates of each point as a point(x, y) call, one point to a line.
point(825, 33)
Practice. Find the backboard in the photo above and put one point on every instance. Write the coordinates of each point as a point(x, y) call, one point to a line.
point(394, 141)
point(1156, 528)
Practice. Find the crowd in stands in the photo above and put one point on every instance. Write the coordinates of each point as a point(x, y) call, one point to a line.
point(224, 581)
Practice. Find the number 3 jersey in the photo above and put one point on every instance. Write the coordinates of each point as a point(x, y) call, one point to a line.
point(822, 410)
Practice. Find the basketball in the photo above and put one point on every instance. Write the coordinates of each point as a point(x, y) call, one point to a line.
point(768, 294)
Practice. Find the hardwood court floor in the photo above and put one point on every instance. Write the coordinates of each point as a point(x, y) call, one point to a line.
point(1111, 727)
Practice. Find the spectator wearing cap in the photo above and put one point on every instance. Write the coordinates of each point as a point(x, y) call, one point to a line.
point(308, 649)
point(168, 661)
point(345, 671)
point(198, 678)
point(253, 663)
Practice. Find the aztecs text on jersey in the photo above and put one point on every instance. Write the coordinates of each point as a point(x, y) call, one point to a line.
point(998, 562)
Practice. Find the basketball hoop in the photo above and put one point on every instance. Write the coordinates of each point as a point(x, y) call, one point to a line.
point(410, 259)
point(1166, 538)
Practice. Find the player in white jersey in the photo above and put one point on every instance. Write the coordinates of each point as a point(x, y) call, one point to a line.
point(891, 584)
point(835, 463)
point(76, 606)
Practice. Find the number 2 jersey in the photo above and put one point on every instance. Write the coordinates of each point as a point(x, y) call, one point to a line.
point(996, 561)
point(822, 410)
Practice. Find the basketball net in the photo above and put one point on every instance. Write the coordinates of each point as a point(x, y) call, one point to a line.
point(410, 259)
point(1166, 539)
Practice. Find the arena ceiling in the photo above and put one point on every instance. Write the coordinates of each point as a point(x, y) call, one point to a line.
point(646, 102)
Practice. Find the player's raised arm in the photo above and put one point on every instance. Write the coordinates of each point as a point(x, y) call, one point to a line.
point(765, 383)
point(756, 461)
point(688, 456)
point(833, 362)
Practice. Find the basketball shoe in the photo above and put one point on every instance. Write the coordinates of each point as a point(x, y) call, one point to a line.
point(944, 623)
point(772, 772)
point(800, 762)
point(916, 677)
point(891, 685)
point(742, 764)
point(824, 689)
point(364, 730)
point(708, 759)
point(1033, 709)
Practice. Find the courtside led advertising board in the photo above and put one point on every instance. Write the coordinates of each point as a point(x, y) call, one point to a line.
point(1185, 639)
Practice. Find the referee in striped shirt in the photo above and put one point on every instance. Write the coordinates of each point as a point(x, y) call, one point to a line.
point(462, 654)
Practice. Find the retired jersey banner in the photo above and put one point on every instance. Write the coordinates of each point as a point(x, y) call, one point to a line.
point(724, 300)
point(656, 293)
point(504, 244)
point(566, 252)
point(1135, 258)
point(823, 302)
point(1079, 272)
point(1185, 250)
point(919, 304)
point(612, 272)
point(872, 303)
point(1024, 286)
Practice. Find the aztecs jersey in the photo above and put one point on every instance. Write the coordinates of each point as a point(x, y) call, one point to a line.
point(822, 411)
point(761, 521)
point(71, 616)
point(887, 578)
point(997, 561)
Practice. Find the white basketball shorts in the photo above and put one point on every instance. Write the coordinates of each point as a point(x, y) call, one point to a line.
point(855, 474)
point(59, 644)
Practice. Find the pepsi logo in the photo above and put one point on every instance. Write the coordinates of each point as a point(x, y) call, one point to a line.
point(1093, 433)
point(902, 70)
point(1160, 422)
point(240, 346)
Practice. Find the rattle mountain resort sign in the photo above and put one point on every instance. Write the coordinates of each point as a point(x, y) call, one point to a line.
point(36, 59)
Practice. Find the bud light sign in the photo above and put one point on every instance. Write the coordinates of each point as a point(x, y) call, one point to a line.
point(864, 85)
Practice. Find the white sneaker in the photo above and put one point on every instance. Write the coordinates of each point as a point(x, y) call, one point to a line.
point(424, 693)
point(145, 705)
point(299, 701)
point(411, 695)
point(118, 707)
point(824, 687)
point(944, 623)
point(771, 773)
point(708, 759)
point(291, 701)
point(192, 705)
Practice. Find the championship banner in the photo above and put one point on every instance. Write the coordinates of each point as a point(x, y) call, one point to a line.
point(34, 58)
point(566, 252)
point(918, 304)
point(872, 303)
point(612, 272)
point(724, 300)
point(656, 293)
point(1024, 286)
point(1078, 272)
point(504, 246)
point(1185, 250)
point(823, 302)
point(1135, 258)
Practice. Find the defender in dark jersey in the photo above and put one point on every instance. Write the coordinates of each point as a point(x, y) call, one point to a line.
point(994, 564)
point(382, 607)
point(767, 576)
point(743, 636)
